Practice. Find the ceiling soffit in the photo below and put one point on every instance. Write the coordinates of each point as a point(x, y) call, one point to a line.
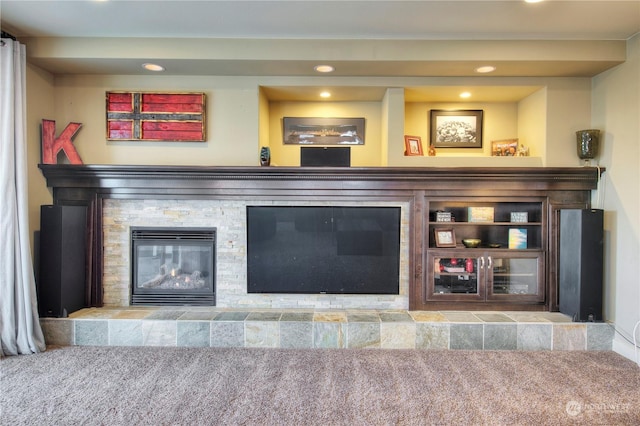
point(259, 57)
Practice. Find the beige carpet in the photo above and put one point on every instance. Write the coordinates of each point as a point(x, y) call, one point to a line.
point(189, 386)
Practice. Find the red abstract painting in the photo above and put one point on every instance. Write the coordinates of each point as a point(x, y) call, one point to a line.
point(137, 116)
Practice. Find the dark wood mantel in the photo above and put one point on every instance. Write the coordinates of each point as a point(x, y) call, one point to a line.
point(111, 178)
point(89, 185)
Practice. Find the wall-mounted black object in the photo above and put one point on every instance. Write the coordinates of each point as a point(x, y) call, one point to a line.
point(314, 156)
point(61, 280)
point(315, 250)
point(581, 263)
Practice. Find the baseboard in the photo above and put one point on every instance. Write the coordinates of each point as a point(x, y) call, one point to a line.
point(624, 348)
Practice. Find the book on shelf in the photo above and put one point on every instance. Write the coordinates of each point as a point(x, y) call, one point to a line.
point(517, 238)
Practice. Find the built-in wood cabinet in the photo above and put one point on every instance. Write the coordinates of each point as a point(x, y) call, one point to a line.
point(508, 264)
point(477, 275)
point(498, 277)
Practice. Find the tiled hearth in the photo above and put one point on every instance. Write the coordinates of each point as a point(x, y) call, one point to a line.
point(393, 329)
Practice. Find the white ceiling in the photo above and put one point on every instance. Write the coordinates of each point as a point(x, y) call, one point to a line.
point(362, 38)
point(327, 19)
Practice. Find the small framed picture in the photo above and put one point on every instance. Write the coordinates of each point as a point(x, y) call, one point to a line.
point(504, 148)
point(456, 129)
point(519, 217)
point(445, 238)
point(412, 145)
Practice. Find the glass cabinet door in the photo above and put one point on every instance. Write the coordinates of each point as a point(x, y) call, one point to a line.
point(455, 276)
point(515, 276)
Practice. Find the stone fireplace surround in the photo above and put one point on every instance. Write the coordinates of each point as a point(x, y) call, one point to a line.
point(122, 196)
point(229, 218)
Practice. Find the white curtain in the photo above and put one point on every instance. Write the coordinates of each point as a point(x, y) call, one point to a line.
point(20, 331)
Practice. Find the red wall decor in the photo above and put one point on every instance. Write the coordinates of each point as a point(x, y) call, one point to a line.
point(137, 116)
point(51, 145)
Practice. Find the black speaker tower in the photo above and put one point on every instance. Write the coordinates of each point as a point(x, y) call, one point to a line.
point(61, 278)
point(581, 264)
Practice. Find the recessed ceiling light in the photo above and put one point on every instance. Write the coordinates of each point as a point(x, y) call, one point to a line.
point(325, 95)
point(465, 95)
point(533, 1)
point(485, 69)
point(153, 67)
point(324, 68)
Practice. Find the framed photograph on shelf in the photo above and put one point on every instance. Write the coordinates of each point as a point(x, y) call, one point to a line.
point(322, 131)
point(412, 145)
point(519, 217)
point(445, 237)
point(456, 129)
point(504, 148)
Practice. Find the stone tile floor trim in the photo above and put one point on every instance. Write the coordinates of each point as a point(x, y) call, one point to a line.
point(327, 329)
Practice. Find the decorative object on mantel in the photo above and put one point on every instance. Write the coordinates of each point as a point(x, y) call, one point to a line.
point(51, 145)
point(504, 148)
point(170, 117)
point(412, 145)
point(265, 156)
point(588, 144)
point(523, 151)
point(322, 131)
point(456, 129)
point(432, 151)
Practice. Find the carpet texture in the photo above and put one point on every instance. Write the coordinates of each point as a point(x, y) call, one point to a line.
point(81, 385)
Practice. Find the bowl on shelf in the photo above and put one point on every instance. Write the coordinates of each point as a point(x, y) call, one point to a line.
point(471, 242)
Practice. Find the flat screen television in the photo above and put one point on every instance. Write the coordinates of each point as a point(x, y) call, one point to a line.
point(316, 250)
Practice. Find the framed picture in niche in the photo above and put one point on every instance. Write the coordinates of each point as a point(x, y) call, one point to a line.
point(456, 129)
point(412, 145)
point(504, 148)
point(322, 131)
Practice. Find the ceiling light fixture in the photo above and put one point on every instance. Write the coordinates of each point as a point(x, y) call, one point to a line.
point(485, 69)
point(465, 95)
point(325, 95)
point(324, 68)
point(533, 1)
point(153, 67)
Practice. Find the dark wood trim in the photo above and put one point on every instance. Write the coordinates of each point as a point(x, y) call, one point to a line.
point(107, 176)
point(563, 187)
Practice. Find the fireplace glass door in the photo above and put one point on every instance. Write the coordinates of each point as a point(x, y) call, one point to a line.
point(173, 266)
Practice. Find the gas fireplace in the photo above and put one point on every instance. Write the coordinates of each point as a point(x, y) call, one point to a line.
point(173, 266)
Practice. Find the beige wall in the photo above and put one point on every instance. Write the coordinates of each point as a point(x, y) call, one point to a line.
point(231, 122)
point(616, 111)
point(568, 110)
point(40, 104)
point(500, 122)
point(241, 118)
point(365, 155)
point(532, 123)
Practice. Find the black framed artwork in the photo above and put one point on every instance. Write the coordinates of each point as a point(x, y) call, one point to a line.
point(456, 129)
